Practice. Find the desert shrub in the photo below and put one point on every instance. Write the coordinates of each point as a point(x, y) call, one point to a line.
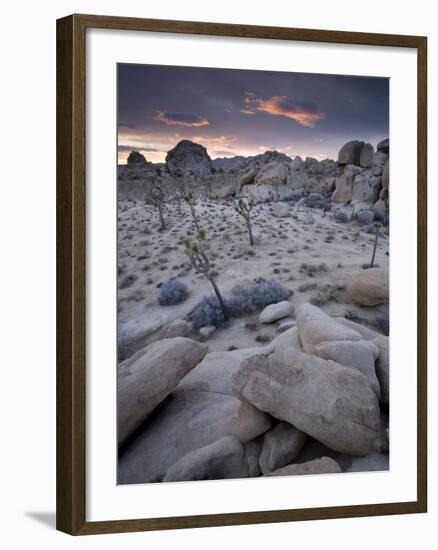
point(208, 312)
point(258, 296)
point(243, 300)
point(341, 217)
point(128, 281)
point(172, 292)
point(328, 293)
point(307, 286)
point(312, 269)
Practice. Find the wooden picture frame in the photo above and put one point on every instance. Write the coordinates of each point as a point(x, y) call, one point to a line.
point(71, 273)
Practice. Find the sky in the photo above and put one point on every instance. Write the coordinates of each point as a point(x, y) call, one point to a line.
point(237, 112)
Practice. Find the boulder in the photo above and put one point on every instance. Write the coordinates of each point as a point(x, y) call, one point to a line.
point(248, 178)
point(373, 462)
point(281, 209)
point(324, 465)
point(315, 327)
point(358, 355)
point(288, 339)
point(273, 173)
point(385, 175)
point(281, 445)
point(136, 159)
point(350, 152)
point(369, 287)
point(187, 420)
point(223, 459)
point(365, 187)
point(147, 378)
point(179, 327)
point(188, 158)
point(277, 311)
point(383, 146)
point(206, 332)
point(365, 217)
point(330, 402)
point(366, 155)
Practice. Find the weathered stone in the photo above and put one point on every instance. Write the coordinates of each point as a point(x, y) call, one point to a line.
point(281, 445)
point(332, 403)
point(350, 152)
point(206, 332)
point(135, 158)
point(359, 355)
point(281, 209)
point(248, 178)
point(385, 175)
point(223, 459)
point(366, 155)
point(315, 327)
point(277, 311)
point(146, 379)
point(369, 287)
point(383, 146)
point(273, 173)
point(373, 462)
point(188, 158)
point(324, 465)
point(179, 327)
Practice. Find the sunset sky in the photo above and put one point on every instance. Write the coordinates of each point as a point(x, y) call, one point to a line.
point(235, 112)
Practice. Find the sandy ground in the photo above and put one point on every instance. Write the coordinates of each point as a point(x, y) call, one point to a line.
point(148, 256)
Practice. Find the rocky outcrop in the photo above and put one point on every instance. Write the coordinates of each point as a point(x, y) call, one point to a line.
point(188, 159)
point(277, 311)
point(136, 159)
point(369, 287)
point(148, 377)
point(332, 403)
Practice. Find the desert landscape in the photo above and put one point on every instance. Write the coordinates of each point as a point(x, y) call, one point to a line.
point(253, 320)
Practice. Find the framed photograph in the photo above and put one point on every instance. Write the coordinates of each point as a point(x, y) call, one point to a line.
point(241, 274)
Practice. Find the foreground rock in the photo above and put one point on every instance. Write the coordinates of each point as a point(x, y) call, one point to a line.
point(359, 355)
point(324, 465)
point(369, 287)
point(147, 378)
point(280, 446)
point(315, 327)
point(332, 403)
point(200, 411)
point(223, 459)
point(275, 312)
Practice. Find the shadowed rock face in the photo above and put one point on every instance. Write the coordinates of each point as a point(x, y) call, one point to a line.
point(136, 159)
point(188, 158)
point(147, 378)
point(324, 465)
point(332, 403)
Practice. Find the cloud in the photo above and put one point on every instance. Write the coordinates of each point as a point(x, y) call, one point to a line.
point(126, 125)
point(222, 142)
point(181, 119)
point(304, 113)
point(129, 148)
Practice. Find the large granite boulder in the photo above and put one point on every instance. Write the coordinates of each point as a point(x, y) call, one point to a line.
point(359, 355)
point(281, 445)
point(350, 152)
point(136, 159)
point(273, 173)
point(188, 158)
point(383, 146)
point(275, 312)
point(332, 403)
point(369, 287)
point(147, 378)
point(315, 327)
point(223, 459)
point(366, 155)
point(324, 465)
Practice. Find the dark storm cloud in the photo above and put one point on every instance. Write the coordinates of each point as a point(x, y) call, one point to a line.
point(246, 112)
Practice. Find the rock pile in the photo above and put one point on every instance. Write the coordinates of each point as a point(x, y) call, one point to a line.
point(363, 179)
point(306, 403)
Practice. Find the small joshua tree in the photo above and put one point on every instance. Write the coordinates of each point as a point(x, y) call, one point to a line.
point(188, 197)
point(377, 226)
point(155, 196)
point(244, 208)
point(200, 261)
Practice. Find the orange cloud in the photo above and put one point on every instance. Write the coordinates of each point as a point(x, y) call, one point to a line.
point(181, 119)
point(303, 113)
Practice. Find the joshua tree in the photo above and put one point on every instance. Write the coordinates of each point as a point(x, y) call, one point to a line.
point(377, 226)
point(188, 197)
point(244, 208)
point(155, 196)
point(200, 261)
